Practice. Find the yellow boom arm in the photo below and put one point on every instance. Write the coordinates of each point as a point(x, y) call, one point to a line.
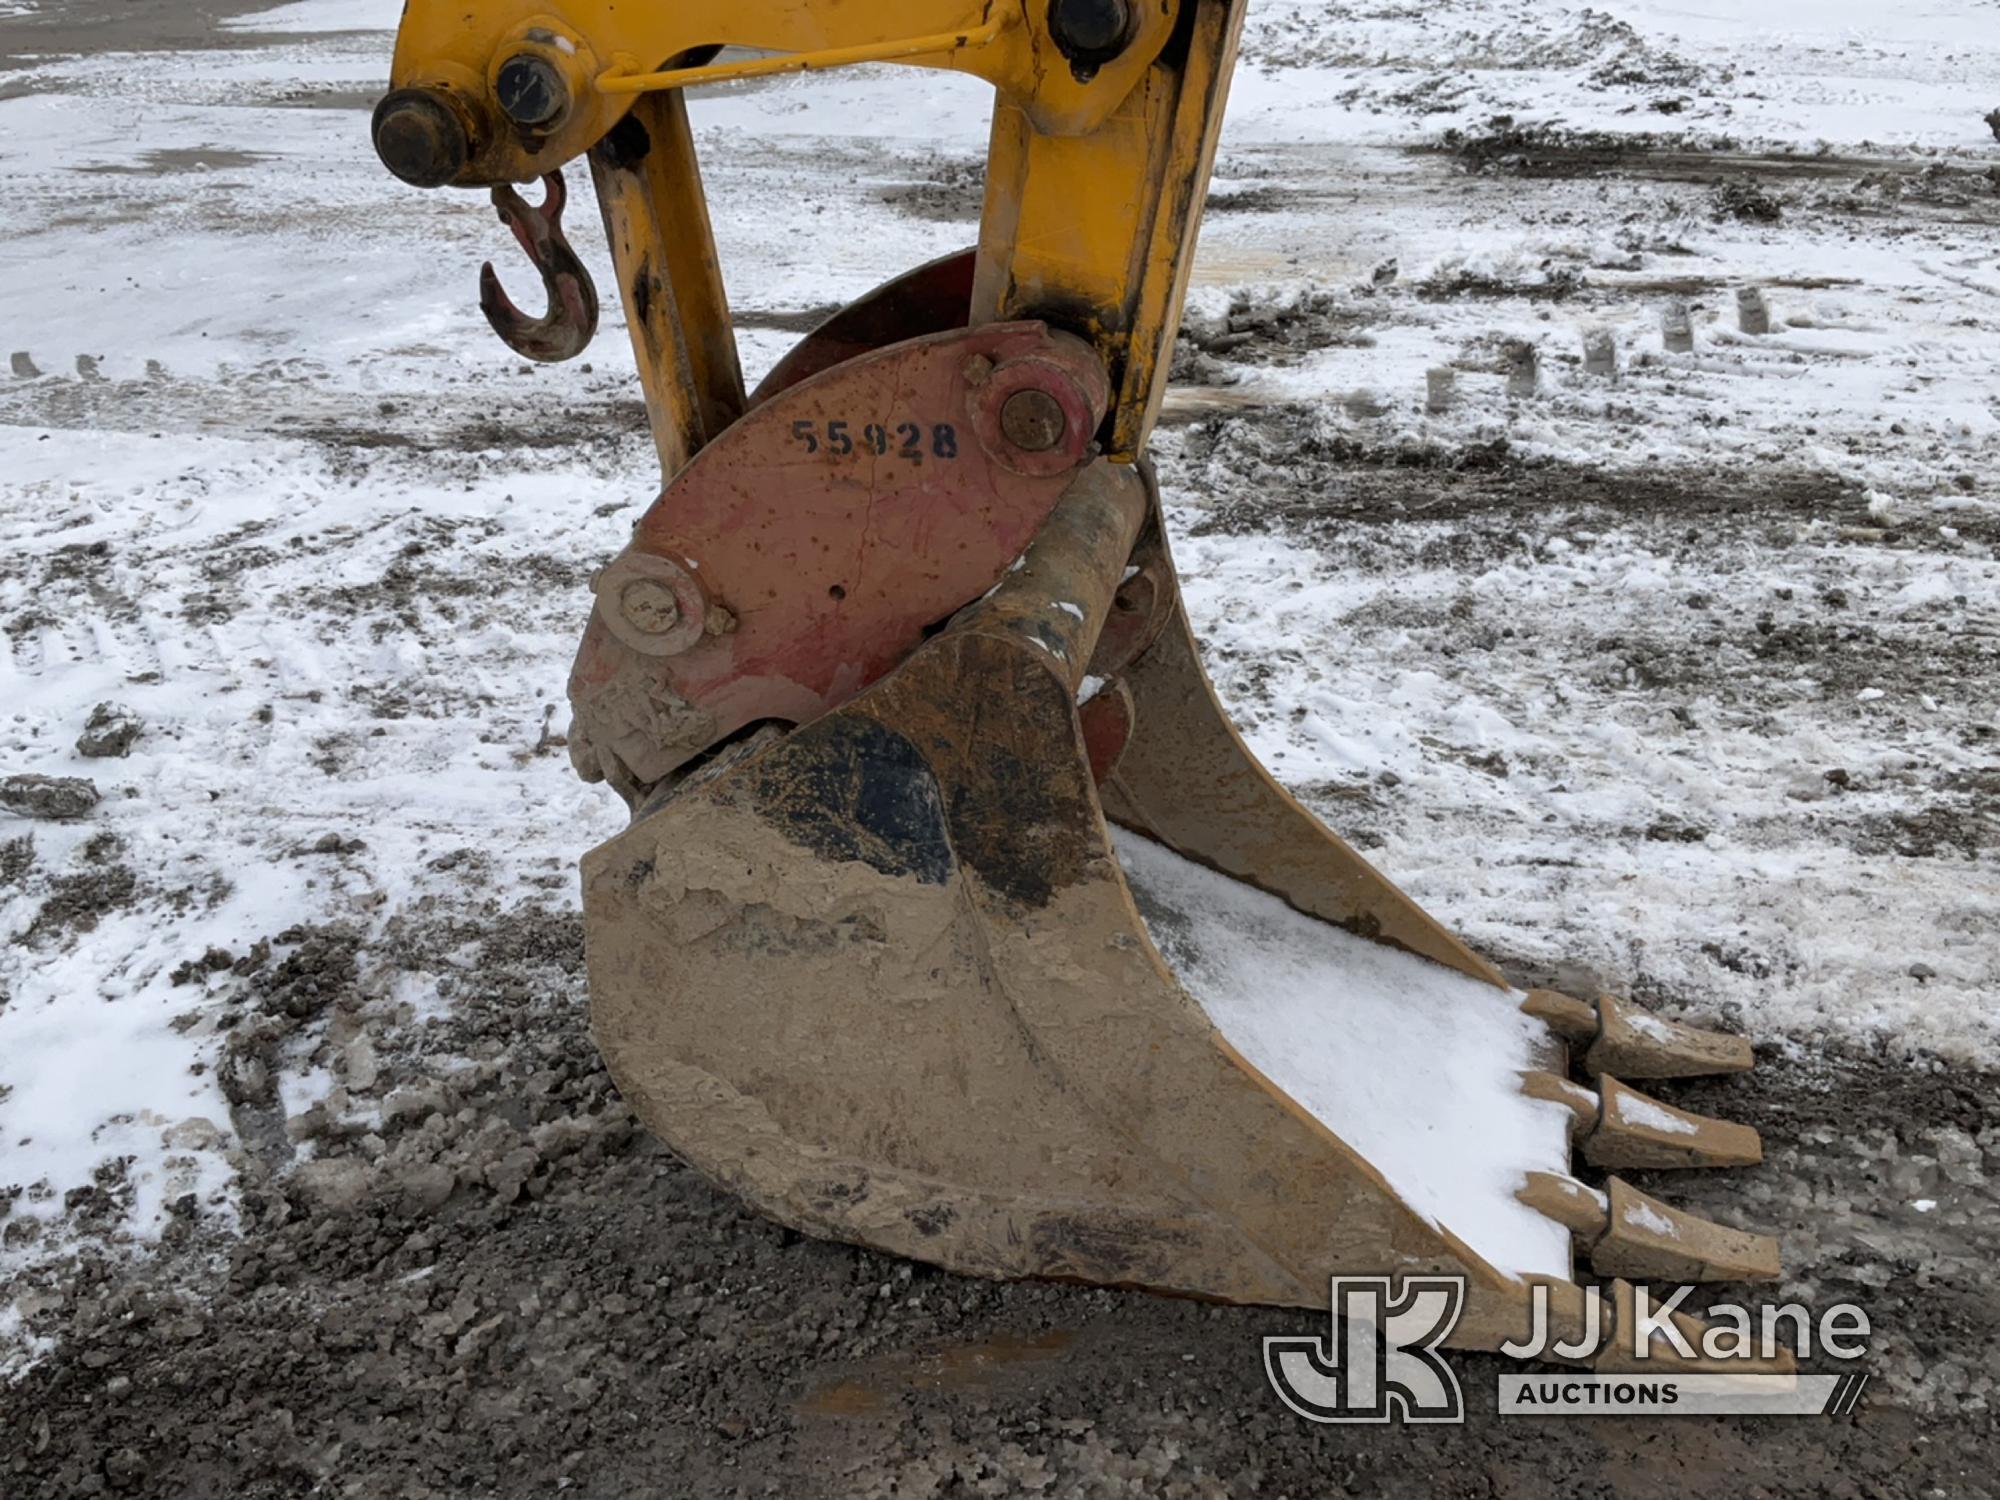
point(1103, 134)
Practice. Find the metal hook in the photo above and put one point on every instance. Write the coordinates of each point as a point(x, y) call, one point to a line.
point(566, 328)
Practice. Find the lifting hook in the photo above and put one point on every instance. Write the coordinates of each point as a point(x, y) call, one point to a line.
point(566, 328)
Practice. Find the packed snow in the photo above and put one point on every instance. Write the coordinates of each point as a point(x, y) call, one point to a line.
point(1417, 1068)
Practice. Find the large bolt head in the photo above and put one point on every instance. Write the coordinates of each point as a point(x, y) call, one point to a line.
point(1032, 420)
point(530, 90)
point(654, 605)
point(1090, 31)
point(650, 606)
point(420, 137)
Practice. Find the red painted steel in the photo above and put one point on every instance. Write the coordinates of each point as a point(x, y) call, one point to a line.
point(826, 530)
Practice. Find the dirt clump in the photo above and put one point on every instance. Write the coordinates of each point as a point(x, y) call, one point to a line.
point(110, 731)
point(17, 858)
point(1545, 282)
point(55, 797)
point(946, 189)
point(1271, 330)
point(79, 899)
point(1744, 200)
point(1503, 145)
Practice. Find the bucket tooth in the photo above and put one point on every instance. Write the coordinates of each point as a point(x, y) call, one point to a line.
point(1617, 1126)
point(1637, 1130)
point(1646, 1240)
point(1569, 1018)
point(1618, 1037)
point(1583, 1105)
point(1565, 1320)
point(1577, 1206)
point(1626, 1233)
point(1633, 1043)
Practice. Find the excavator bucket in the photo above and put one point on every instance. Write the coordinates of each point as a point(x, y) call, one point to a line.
point(954, 918)
point(971, 972)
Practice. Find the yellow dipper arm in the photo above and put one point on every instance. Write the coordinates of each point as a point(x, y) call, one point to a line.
point(1104, 131)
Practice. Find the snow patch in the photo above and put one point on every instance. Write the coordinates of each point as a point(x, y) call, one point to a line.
point(314, 16)
point(1414, 1066)
point(19, 1349)
point(1648, 1025)
point(1635, 1110)
point(1643, 1216)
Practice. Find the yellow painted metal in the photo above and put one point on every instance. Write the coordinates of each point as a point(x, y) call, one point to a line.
point(457, 49)
point(909, 50)
point(1099, 229)
point(656, 218)
point(1094, 180)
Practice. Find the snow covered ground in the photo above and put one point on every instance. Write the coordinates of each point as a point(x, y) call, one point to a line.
point(1685, 680)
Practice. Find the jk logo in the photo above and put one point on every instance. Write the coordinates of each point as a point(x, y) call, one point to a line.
point(1380, 1363)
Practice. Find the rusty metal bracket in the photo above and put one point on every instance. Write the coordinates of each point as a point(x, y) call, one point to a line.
point(565, 330)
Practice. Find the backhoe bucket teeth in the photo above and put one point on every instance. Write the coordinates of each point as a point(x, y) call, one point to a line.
point(1617, 1126)
point(1636, 1130)
point(1616, 1037)
point(1629, 1234)
point(895, 979)
point(1635, 1045)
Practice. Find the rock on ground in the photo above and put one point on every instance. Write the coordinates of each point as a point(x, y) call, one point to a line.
point(48, 796)
point(110, 731)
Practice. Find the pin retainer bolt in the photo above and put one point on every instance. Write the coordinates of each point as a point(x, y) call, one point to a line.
point(531, 90)
point(1090, 32)
point(1033, 421)
point(649, 606)
point(420, 137)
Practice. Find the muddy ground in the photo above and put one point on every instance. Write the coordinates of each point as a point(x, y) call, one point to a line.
point(140, 26)
point(510, 1289)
